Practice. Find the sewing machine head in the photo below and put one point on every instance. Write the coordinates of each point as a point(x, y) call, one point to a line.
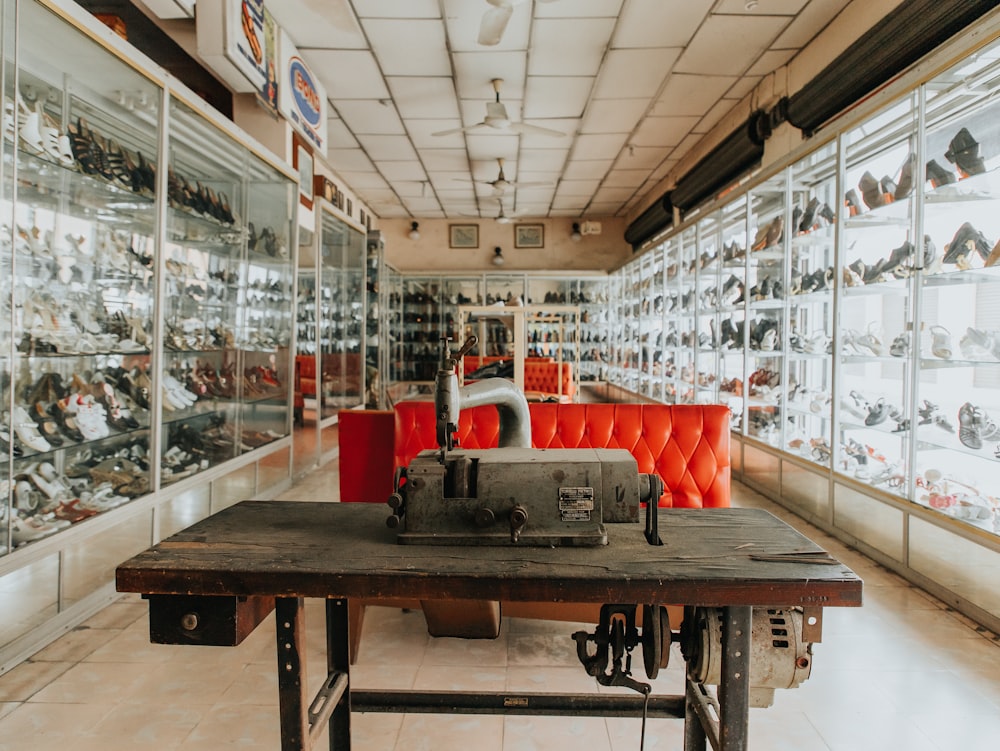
point(512, 494)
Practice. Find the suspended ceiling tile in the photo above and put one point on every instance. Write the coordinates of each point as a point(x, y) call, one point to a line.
point(474, 72)
point(453, 180)
point(549, 160)
point(397, 8)
point(743, 86)
point(556, 96)
point(641, 157)
point(577, 187)
point(764, 7)
point(392, 148)
point(630, 74)
point(349, 160)
point(769, 62)
point(338, 135)
point(491, 146)
point(587, 169)
point(687, 94)
point(624, 178)
point(604, 146)
point(311, 24)
point(613, 115)
point(569, 47)
point(364, 82)
point(444, 159)
point(686, 144)
point(573, 204)
point(603, 208)
point(418, 206)
point(654, 23)
point(368, 182)
point(370, 116)
point(663, 170)
point(394, 211)
point(423, 53)
point(402, 170)
point(579, 8)
point(743, 38)
point(423, 97)
point(614, 194)
point(413, 189)
point(810, 22)
point(718, 111)
point(422, 134)
point(665, 131)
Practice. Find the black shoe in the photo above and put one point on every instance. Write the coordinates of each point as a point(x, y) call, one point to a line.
point(964, 151)
point(809, 216)
point(967, 239)
point(938, 175)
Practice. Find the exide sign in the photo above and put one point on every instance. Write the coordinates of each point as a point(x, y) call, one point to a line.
point(307, 99)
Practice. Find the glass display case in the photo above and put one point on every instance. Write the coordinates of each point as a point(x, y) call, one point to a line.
point(957, 345)
point(844, 305)
point(79, 193)
point(227, 303)
point(876, 267)
point(146, 314)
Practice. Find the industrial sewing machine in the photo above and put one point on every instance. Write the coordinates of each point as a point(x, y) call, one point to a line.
point(517, 495)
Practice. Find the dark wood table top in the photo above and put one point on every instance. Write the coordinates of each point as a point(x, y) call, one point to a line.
point(297, 549)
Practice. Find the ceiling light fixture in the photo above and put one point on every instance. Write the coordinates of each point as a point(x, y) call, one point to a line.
point(575, 235)
point(750, 5)
point(498, 259)
point(414, 231)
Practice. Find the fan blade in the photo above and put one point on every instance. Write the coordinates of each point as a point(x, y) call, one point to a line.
point(527, 128)
point(494, 23)
point(519, 184)
point(466, 129)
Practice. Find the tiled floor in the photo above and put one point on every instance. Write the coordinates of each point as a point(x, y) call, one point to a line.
point(903, 672)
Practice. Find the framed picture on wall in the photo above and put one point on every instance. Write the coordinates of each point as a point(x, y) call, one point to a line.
point(529, 236)
point(463, 235)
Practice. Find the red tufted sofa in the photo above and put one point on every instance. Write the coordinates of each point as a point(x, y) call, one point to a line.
point(687, 445)
point(541, 376)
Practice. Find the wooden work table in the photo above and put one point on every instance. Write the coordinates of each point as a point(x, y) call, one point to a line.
point(215, 581)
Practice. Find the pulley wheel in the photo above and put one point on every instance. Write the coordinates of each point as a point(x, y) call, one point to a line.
point(655, 639)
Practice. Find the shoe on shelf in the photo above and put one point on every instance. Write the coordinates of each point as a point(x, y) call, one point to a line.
point(941, 342)
point(967, 239)
point(963, 151)
point(904, 186)
point(853, 203)
point(969, 428)
point(871, 191)
point(938, 175)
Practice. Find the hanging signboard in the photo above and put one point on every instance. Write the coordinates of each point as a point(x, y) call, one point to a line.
point(301, 96)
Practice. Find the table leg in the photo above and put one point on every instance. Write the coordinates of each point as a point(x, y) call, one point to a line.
point(292, 685)
point(694, 733)
point(734, 689)
point(338, 661)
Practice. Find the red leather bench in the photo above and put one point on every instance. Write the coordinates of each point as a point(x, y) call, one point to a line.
point(542, 376)
point(687, 445)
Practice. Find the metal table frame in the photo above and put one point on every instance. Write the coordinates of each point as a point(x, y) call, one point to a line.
point(214, 583)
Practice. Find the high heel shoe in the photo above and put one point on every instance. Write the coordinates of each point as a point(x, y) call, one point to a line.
point(938, 175)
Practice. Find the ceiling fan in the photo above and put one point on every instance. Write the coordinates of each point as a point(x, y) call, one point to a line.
point(501, 183)
point(497, 119)
point(495, 20)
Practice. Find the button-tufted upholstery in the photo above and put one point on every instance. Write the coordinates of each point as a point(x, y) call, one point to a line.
point(541, 376)
point(686, 445)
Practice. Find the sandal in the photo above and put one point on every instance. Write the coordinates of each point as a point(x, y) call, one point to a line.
point(940, 342)
point(900, 346)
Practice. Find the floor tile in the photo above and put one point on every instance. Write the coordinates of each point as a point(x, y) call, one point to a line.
point(28, 678)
